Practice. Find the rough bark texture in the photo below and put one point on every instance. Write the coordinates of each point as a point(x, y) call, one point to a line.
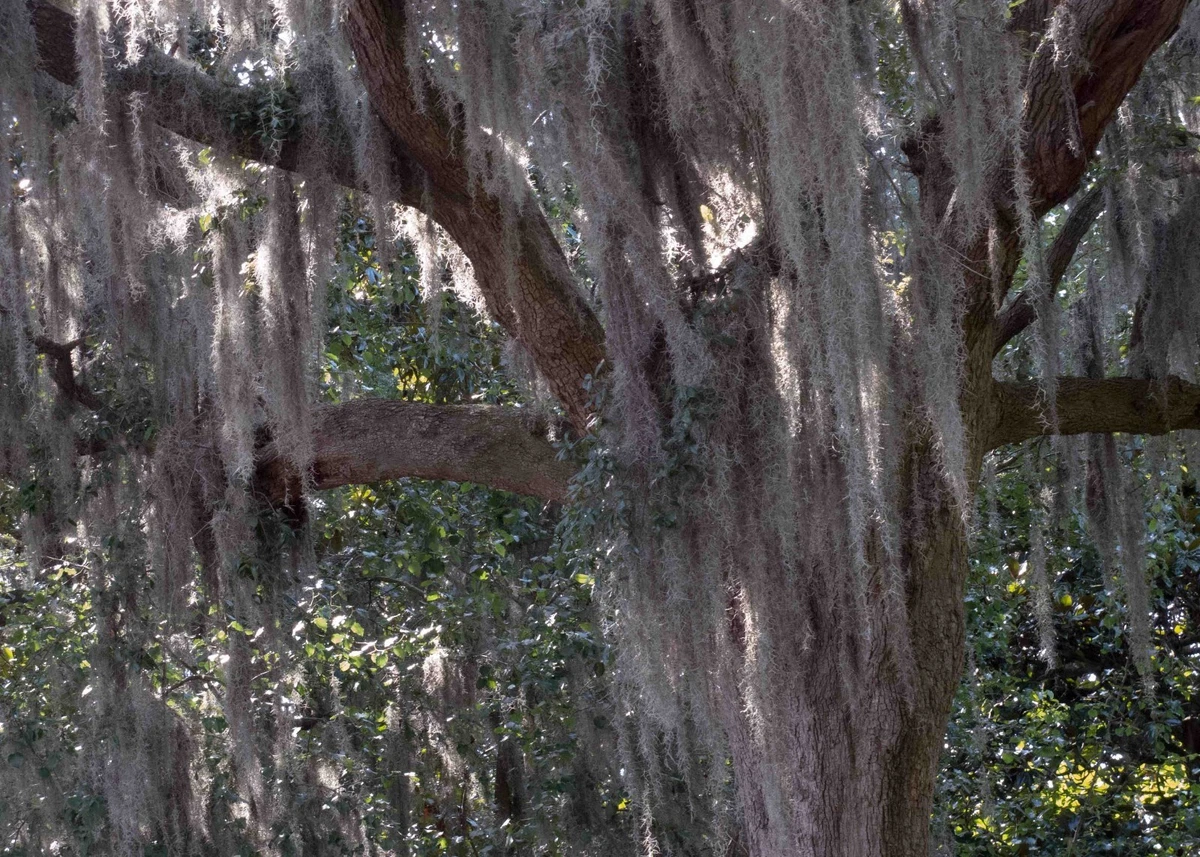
point(936, 548)
point(938, 565)
point(1116, 38)
point(531, 292)
point(1103, 406)
point(373, 440)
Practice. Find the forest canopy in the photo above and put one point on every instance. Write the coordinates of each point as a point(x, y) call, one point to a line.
point(535, 427)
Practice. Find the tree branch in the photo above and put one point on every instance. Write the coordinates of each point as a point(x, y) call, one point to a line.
point(374, 440)
point(1116, 38)
point(184, 100)
point(62, 371)
point(532, 293)
point(1062, 124)
point(1022, 312)
point(543, 309)
point(1087, 406)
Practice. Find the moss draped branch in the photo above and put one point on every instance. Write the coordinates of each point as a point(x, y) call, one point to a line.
point(1021, 312)
point(1116, 37)
point(529, 288)
point(1096, 406)
point(541, 307)
point(62, 370)
point(373, 440)
point(186, 101)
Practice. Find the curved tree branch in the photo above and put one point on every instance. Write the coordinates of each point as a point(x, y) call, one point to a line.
point(199, 107)
point(1066, 111)
point(1100, 406)
point(374, 440)
point(1021, 312)
point(541, 306)
point(521, 269)
point(1116, 38)
point(62, 370)
point(543, 309)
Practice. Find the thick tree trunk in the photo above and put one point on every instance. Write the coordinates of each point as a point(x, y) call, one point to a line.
point(936, 617)
point(865, 756)
point(856, 761)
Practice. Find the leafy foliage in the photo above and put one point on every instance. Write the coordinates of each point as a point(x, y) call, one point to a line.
point(1077, 759)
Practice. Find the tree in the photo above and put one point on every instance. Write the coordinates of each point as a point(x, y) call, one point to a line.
point(395, 701)
point(806, 225)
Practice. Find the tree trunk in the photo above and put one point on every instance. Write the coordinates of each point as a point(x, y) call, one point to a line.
point(861, 754)
point(856, 762)
point(937, 627)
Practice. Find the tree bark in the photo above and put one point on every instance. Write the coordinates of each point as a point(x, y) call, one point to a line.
point(937, 555)
point(1096, 406)
point(521, 270)
point(373, 440)
point(1117, 38)
point(1022, 311)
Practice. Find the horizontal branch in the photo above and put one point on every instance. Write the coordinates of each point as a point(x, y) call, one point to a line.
point(375, 440)
point(1095, 406)
point(186, 101)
